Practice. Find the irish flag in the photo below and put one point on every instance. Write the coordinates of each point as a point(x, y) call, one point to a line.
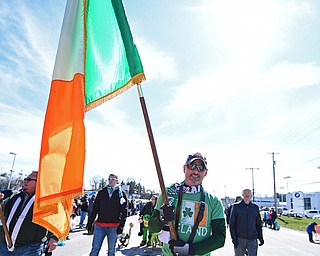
point(96, 60)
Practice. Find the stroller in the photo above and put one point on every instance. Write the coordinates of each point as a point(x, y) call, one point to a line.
point(276, 225)
point(124, 238)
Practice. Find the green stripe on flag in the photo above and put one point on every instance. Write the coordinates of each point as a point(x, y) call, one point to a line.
point(133, 57)
point(112, 59)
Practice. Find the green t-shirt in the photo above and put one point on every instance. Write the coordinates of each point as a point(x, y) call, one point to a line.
point(189, 212)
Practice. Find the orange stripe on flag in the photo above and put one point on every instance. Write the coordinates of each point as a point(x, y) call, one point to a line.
point(62, 156)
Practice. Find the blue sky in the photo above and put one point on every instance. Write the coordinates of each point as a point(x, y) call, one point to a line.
point(234, 80)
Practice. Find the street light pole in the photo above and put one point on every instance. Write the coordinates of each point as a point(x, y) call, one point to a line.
point(11, 171)
point(252, 181)
point(286, 178)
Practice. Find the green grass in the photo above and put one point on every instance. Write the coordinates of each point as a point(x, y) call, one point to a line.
point(294, 223)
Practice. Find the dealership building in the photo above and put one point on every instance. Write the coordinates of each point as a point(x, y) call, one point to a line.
point(300, 201)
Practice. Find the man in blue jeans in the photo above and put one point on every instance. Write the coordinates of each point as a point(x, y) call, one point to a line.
point(245, 226)
point(84, 208)
point(111, 207)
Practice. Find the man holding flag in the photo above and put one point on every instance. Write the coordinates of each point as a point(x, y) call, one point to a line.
point(198, 216)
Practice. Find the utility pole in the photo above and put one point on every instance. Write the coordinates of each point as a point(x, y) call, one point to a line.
point(274, 182)
point(252, 181)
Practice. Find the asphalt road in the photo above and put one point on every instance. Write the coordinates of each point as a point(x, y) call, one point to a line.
point(284, 242)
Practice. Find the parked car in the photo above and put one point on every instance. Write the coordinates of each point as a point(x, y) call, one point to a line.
point(292, 213)
point(316, 217)
point(281, 209)
point(287, 212)
point(310, 213)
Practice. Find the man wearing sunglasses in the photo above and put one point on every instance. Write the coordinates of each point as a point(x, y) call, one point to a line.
point(197, 216)
point(111, 207)
point(27, 237)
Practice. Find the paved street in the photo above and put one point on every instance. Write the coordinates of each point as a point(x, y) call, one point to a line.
point(285, 242)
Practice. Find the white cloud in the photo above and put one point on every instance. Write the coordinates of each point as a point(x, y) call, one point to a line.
point(158, 65)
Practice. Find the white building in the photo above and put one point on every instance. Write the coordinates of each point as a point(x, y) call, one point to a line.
point(299, 201)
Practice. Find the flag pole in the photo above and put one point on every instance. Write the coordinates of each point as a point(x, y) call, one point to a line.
point(155, 157)
point(5, 229)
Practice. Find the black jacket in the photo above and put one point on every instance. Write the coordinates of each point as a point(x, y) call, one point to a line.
point(84, 204)
point(30, 233)
point(109, 209)
point(245, 221)
point(147, 209)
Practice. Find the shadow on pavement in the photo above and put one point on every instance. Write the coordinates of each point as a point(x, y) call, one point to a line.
point(133, 251)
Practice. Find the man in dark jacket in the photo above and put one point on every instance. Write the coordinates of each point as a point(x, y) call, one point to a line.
point(245, 226)
point(27, 237)
point(111, 207)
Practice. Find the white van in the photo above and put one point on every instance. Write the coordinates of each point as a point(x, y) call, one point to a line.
point(311, 213)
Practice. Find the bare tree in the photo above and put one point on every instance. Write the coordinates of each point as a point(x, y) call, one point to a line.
point(95, 181)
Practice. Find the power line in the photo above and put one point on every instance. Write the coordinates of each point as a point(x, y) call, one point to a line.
point(299, 132)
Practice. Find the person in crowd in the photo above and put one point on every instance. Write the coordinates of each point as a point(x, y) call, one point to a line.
point(147, 210)
point(27, 237)
point(269, 219)
point(84, 208)
point(74, 206)
point(140, 205)
point(311, 228)
point(78, 206)
point(274, 216)
point(111, 207)
point(228, 213)
point(318, 232)
point(246, 226)
point(73, 224)
point(193, 209)
point(130, 207)
point(265, 218)
point(91, 201)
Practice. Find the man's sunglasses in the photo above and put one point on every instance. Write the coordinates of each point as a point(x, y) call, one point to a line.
point(112, 178)
point(28, 179)
point(200, 168)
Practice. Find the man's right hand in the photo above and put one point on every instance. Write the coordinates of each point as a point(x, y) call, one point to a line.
point(261, 242)
point(89, 229)
point(167, 212)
